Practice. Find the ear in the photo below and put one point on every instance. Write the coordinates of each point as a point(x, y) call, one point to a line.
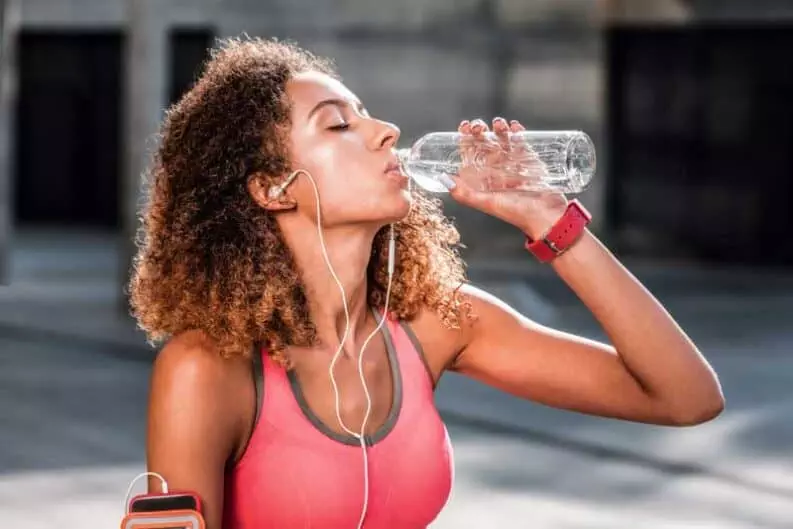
point(260, 190)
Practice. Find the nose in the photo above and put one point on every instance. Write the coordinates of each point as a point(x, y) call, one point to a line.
point(386, 136)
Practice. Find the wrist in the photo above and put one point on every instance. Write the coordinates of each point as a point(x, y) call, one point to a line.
point(563, 232)
point(540, 223)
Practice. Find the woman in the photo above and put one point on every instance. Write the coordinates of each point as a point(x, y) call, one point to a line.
point(232, 271)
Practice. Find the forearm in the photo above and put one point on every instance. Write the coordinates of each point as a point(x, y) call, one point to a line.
point(650, 343)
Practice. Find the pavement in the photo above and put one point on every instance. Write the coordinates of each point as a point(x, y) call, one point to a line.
point(74, 374)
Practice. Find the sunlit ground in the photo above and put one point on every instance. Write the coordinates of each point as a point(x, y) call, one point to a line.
point(72, 417)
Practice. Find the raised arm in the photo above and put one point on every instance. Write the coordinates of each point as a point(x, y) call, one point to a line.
point(652, 372)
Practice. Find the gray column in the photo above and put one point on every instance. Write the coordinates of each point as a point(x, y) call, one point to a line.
point(144, 99)
point(10, 16)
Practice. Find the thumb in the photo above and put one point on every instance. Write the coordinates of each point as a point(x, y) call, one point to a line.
point(463, 193)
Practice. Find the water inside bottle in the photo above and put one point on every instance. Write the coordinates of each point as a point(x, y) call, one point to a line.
point(425, 174)
point(565, 161)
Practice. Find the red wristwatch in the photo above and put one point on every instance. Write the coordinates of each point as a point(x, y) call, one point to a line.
point(562, 235)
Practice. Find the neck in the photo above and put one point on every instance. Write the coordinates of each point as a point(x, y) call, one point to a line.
point(349, 253)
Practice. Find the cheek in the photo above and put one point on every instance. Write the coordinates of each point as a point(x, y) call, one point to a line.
point(341, 171)
point(342, 152)
point(322, 162)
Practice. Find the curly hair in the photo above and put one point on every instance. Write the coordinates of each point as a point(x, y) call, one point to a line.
point(210, 258)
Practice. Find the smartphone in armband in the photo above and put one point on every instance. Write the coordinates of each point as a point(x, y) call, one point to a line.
point(170, 501)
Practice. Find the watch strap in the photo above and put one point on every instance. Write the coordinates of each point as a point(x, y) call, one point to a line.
point(562, 235)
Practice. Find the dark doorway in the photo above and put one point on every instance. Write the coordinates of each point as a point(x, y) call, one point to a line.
point(67, 148)
point(189, 50)
point(701, 142)
point(69, 130)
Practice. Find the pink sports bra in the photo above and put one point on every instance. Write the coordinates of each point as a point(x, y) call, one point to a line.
point(298, 473)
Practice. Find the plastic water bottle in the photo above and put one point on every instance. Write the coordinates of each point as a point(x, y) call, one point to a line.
point(562, 161)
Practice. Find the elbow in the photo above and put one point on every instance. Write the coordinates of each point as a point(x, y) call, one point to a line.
point(703, 410)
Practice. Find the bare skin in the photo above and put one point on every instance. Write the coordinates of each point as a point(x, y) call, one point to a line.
point(202, 406)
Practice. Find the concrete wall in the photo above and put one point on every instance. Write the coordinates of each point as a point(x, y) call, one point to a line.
point(424, 64)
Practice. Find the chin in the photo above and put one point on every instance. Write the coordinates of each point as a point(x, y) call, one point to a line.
point(387, 208)
point(400, 207)
point(391, 210)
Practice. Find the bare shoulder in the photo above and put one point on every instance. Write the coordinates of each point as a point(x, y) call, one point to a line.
point(198, 400)
point(191, 360)
point(190, 366)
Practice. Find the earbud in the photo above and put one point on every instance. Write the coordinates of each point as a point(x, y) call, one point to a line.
point(275, 192)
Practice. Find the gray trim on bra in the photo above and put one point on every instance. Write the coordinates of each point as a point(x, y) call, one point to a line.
point(420, 350)
point(257, 373)
point(258, 383)
point(396, 400)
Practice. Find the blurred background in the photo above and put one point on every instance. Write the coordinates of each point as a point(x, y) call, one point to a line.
point(688, 102)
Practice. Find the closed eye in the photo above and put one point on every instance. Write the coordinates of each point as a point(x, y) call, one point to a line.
point(340, 126)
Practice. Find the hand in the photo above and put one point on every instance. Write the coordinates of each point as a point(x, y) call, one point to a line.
point(496, 173)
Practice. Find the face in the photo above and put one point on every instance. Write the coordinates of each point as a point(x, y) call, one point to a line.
point(349, 154)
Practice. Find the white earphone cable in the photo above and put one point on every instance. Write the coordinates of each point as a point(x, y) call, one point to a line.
point(163, 486)
point(343, 298)
point(361, 436)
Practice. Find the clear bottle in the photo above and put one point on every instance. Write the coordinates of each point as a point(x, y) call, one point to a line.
point(563, 161)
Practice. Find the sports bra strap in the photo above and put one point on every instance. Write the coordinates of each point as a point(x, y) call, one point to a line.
point(258, 381)
point(419, 349)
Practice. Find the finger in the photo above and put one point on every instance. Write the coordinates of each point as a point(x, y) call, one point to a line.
point(522, 150)
point(500, 126)
point(466, 142)
point(487, 151)
point(466, 195)
point(515, 127)
point(502, 130)
point(478, 127)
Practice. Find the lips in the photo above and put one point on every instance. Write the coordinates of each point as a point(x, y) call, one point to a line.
point(394, 172)
point(393, 167)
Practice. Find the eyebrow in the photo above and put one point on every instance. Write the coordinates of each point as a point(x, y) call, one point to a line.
point(332, 102)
